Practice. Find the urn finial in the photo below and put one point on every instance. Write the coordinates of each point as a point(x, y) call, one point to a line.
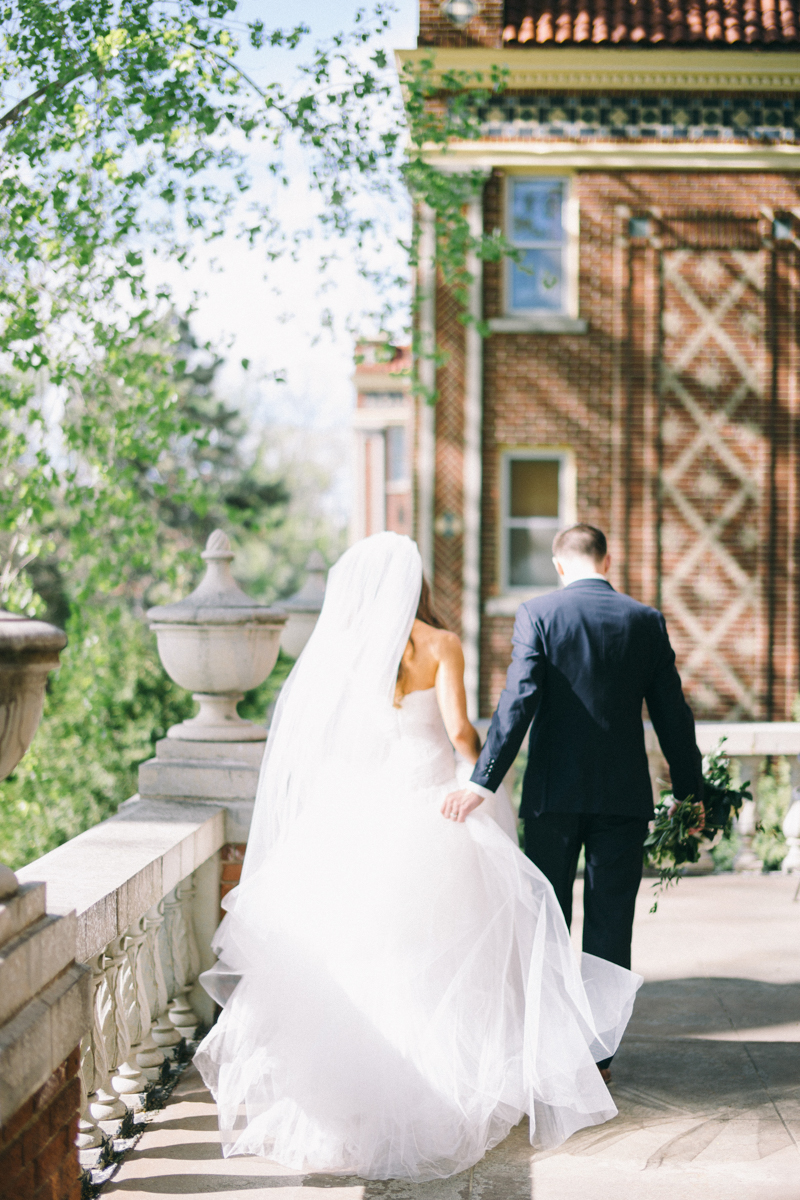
point(218, 643)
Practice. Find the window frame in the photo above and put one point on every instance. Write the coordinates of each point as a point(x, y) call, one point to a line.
point(567, 489)
point(570, 222)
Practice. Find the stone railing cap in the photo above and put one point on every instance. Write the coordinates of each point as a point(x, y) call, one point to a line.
point(21, 635)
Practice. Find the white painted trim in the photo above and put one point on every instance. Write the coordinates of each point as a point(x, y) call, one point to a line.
point(551, 156)
point(539, 323)
point(426, 444)
point(380, 416)
point(376, 448)
point(473, 470)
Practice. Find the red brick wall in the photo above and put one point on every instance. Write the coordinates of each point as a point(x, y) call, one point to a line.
point(38, 1157)
point(598, 394)
point(232, 855)
point(486, 29)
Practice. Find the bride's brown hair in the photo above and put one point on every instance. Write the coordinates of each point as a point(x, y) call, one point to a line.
point(427, 614)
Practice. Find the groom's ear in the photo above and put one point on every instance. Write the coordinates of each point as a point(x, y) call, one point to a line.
point(559, 568)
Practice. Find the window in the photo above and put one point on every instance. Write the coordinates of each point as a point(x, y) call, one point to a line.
point(536, 225)
point(380, 398)
point(536, 494)
point(396, 459)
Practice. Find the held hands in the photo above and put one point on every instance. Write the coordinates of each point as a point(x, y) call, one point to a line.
point(458, 805)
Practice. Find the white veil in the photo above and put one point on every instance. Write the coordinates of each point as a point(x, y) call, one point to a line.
point(335, 709)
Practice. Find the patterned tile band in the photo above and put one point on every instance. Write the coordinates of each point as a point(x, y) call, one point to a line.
point(651, 22)
point(631, 117)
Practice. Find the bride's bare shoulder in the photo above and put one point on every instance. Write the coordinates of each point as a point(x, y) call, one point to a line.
point(441, 642)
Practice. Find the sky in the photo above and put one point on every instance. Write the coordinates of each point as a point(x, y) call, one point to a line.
point(275, 324)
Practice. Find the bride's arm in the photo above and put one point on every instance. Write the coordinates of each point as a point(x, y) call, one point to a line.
point(453, 699)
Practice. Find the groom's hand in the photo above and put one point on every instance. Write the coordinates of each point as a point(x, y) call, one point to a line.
point(458, 805)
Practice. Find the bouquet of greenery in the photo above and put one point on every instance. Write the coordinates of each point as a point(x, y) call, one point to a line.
point(675, 834)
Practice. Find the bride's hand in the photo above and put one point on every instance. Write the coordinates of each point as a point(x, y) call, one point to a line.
point(458, 805)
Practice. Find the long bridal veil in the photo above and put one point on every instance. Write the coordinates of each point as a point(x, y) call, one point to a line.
point(398, 989)
point(334, 725)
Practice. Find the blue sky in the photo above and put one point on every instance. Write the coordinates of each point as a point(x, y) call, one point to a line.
point(274, 323)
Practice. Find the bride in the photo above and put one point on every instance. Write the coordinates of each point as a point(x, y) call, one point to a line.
point(399, 987)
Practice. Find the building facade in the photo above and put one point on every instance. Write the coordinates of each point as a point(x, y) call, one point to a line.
point(641, 371)
point(383, 434)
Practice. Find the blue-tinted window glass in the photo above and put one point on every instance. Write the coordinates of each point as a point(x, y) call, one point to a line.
point(396, 466)
point(536, 211)
point(538, 281)
point(530, 557)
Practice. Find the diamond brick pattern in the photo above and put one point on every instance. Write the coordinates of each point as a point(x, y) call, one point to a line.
point(713, 473)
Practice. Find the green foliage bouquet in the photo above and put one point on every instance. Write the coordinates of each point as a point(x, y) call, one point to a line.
point(675, 835)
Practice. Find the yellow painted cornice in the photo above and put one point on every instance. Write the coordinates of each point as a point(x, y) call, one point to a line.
point(620, 68)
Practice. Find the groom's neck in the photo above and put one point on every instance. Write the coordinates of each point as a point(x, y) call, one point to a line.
point(581, 570)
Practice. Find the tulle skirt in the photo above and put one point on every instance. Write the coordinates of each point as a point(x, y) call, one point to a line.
point(399, 991)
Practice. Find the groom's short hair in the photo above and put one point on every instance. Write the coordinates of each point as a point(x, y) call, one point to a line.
point(580, 541)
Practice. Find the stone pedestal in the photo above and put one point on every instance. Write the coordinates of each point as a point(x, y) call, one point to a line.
point(224, 774)
point(44, 1013)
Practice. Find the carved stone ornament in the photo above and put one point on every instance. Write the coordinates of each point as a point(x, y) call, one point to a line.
point(29, 650)
point(304, 607)
point(459, 12)
point(218, 643)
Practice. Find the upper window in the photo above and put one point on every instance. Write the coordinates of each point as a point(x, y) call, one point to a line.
point(396, 454)
point(536, 226)
point(536, 505)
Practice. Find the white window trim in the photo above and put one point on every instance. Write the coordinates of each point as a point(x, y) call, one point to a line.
point(566, 321)
point(510, 597)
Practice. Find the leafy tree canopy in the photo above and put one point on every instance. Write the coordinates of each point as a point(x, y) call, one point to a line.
point(124, 127)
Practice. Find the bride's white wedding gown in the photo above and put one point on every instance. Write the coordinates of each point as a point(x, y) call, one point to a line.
point(408, 991)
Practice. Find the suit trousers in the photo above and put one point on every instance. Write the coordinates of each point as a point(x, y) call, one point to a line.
point(614, 847)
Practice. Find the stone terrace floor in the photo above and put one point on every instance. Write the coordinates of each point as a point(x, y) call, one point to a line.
point(707, 1081)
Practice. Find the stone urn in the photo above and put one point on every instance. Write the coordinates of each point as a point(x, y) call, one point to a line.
point(29, 651)
point(218, 643)
point(304, 607)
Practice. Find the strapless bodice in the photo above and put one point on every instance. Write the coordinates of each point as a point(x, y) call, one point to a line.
point(424, 751)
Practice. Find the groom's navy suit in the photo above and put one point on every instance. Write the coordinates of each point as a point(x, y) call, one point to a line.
point(584, 660)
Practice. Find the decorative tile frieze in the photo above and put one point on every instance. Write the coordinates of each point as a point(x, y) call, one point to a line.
point(632, 116)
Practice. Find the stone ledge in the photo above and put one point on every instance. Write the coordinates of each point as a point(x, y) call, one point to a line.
point(538, 323)
point(35, 1042)
point(114, 872)
point(29, 961)
point(745, 739)
point(21, 910)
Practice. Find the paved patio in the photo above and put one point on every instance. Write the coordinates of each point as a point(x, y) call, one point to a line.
point(707, 1082)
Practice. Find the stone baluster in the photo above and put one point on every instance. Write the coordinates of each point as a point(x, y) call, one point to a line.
point(746, 858)
point(185, 958)
point(149, 1058)
point(160, 980)
point(105, 1106)
point(791, 831)
point(133, 1019)
point(89, 1139)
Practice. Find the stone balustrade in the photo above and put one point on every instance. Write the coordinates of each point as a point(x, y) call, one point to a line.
point(142, 889)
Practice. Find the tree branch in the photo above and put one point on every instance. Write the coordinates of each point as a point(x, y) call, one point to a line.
point(13, 114)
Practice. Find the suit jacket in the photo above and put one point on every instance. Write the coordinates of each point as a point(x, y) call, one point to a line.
point(584, 659)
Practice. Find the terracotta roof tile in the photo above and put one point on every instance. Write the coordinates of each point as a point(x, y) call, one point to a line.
point(652, 22)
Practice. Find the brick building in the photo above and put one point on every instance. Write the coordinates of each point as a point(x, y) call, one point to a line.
point(641, 370)
point(383, 424)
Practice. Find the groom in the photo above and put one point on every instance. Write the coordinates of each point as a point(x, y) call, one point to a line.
point(584, 660)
